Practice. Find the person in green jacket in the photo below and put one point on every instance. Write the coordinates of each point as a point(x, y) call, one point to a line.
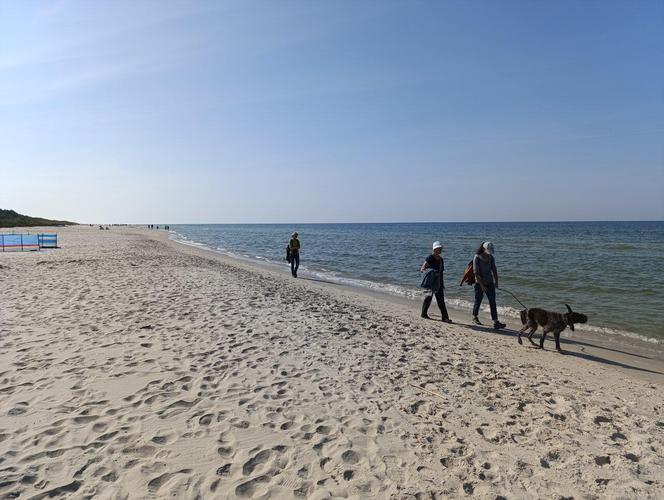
point(294, 252)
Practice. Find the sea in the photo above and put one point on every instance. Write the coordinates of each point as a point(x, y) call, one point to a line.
point(609, 271)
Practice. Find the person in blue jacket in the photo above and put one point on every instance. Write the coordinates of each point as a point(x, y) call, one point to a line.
point(433, 281)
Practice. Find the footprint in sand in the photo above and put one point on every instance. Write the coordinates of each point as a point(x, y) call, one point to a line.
point(155, 484)
point(260, 458)
point(247, 489)
point(226, 451)
point(206, 419)
point(286, 425)
point(99, 427)
point(17, 410)
point(224, 470)
point(162, 439)
point(85, 419)
point(303, 491)
point(350, 457)
point(142, 451)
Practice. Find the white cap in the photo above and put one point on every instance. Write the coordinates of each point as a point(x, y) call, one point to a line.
point(488, 247)
point(437, 244)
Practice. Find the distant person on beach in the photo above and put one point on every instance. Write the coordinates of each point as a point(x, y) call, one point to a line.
point(486, 275)
point(433, 281)
point(294, 252)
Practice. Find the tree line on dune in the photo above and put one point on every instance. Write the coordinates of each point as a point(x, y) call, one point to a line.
point(10, 218)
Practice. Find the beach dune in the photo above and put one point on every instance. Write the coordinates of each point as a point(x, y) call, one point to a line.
point(134, 367)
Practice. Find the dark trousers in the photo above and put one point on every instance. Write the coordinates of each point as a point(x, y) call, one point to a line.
point(440, 300)
point(294, 262)
point(491, 294)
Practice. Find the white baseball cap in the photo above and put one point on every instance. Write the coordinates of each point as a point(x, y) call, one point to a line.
point(437, 244)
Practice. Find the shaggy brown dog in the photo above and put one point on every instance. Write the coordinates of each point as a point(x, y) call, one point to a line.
point(550, 322)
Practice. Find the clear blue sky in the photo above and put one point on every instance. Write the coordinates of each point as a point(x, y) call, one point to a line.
point(312, 111)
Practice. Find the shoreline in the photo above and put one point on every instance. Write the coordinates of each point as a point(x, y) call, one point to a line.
point(134, 367)
point(642, 357)
point(633, 337)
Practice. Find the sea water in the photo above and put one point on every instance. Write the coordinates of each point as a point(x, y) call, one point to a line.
point(610, 271)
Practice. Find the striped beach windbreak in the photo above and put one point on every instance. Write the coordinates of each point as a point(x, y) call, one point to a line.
point(48, 240)
point(19, 242)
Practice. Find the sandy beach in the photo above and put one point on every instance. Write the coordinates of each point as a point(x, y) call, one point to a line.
point(135, 367)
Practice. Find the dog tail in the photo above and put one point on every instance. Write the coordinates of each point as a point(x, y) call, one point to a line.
point(524, 316)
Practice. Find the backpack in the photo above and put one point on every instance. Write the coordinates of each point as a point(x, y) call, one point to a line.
point(468, 275)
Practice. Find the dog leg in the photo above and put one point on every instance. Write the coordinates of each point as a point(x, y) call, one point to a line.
point(533, 328)
point(556, 334)
point(544, 332)
point(525, 327)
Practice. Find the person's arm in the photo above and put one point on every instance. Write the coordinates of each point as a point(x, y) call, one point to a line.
point(425, 266)
point(494, 271)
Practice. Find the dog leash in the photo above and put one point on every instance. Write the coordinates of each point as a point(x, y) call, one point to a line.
point(504, 290)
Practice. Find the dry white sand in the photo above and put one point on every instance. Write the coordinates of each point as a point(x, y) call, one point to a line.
point(133, 367)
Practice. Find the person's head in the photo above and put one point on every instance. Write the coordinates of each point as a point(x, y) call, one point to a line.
point(294, 235)
point(485, 247)
point(437, 248)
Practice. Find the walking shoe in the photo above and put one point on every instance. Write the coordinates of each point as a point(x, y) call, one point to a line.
point(447, 320)
point(425, 316)
point(497, 325)
point(476, 321)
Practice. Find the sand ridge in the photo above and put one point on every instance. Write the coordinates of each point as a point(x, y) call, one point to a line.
point(131, 367)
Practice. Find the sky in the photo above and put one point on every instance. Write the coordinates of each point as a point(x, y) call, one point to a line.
point(332, 111)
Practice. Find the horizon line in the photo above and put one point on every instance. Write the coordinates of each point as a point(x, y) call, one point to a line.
point(384, 222)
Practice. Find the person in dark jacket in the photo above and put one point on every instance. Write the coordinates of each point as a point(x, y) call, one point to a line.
point(435, 265)
point(294, 253)
point(486, 276)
